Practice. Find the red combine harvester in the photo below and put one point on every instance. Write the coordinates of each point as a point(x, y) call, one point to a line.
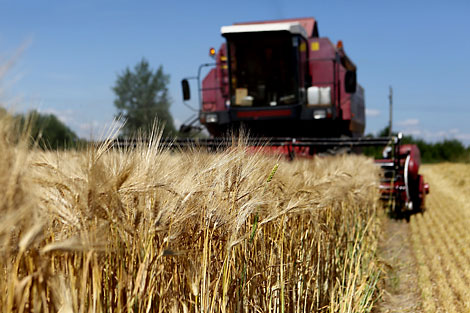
point(297, 93)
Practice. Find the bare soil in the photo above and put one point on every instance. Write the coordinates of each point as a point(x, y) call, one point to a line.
point(400, 290)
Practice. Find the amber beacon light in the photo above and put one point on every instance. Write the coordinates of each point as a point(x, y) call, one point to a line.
point(212, 52)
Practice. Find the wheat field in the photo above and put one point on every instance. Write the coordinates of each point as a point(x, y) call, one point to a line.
point(152, 230)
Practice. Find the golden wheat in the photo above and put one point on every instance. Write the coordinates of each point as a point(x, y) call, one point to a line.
point(151, 230)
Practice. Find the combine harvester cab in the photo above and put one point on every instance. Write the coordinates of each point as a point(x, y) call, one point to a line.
point(280, 79)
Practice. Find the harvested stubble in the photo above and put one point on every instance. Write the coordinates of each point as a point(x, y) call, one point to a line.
point(148, 230)
point(440, 238)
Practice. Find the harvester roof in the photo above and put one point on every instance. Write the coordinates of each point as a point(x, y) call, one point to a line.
point(292, 27)
point(308, 23)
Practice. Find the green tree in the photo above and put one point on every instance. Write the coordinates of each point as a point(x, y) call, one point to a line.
point(142, 97)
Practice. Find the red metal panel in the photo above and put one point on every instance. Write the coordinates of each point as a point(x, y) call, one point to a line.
point(321, 57)
point(209, 91)
point(345, 97)
point(267, 113)
point(415, 159)
point(321, 48)
point(215, 85)
point(222, 68)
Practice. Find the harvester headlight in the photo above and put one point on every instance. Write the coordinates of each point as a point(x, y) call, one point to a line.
point(319, 114)
point(212, 118)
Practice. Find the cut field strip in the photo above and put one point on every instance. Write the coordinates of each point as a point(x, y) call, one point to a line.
point(440, 240)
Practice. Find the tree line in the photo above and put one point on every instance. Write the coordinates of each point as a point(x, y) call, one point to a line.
point(45, 130)
point(447, 150)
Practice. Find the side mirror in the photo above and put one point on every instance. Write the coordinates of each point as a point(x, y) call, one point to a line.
point(350, 81)
point(186, 91)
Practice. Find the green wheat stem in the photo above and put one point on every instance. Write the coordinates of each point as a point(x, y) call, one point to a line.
point(255, 221)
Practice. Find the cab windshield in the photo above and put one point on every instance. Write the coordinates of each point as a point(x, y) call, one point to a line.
point(263, 68)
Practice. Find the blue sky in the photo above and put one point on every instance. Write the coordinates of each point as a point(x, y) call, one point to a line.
point(75, 50)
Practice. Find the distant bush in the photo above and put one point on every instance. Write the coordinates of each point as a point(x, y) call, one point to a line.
point(48, 131)
point(448, 150)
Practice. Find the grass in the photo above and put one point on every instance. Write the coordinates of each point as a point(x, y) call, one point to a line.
point(150, 230)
